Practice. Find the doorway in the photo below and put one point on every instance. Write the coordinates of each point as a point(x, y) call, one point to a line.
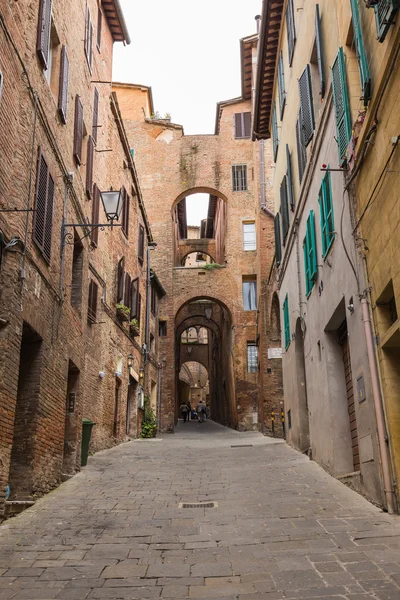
point(303, 429)
point(131, 408)
point(71, 419)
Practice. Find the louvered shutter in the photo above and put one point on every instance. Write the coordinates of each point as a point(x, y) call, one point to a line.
point(92, 301)
point(99, 26)
point(310, 253)
point(278, 248)
point(289, 178)
point(306, 106)
point(78, 130)
point(247, 124)
point(385, 13)
point(89, 166)
point(63, 86)
point(275, 140)
point(139, 307)
point(43, 216)
point(320, 52)
point(127, 290)
point(290, 30)
point(284, 210)
point(342, 108)
point(134, 298)
point(125, 212)
point(141, 244)
point(281, 86)
point(238, 125)
point(120, 280)
point(43, 33)
point(95, 115)
point(94, 236)
point(301, 151)
point(88, 38)
point(365, 76)
point(48, 228)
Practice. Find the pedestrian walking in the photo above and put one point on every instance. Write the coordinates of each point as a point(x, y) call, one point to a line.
point(184, 411)
point(189, 411)
point(201, 411)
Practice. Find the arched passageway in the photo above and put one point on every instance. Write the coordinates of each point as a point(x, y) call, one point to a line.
point(193, 384)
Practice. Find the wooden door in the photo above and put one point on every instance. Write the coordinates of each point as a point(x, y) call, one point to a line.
point(343, 338)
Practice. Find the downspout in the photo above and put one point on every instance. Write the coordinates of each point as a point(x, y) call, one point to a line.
point(378, 404)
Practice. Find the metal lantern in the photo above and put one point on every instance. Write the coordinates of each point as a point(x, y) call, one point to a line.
point(112, 204)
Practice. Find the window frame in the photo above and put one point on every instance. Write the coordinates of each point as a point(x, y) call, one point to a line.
point(88, 43)
point(162, 328)
point(252, 357)
point(92, 302)
point(125, 212)
point(284, 209)
point(249, 279)
point(325, 201)
point(383, 24)
point(239, 178)
point(242, 116)
point(301, 150)
point(99, 28)
point(153, 300)
point(253, 223)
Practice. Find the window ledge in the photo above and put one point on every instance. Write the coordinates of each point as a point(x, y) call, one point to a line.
point(391, 339)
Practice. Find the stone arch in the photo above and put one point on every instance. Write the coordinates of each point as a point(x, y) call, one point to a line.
point(198, 190)
point(191, 251)
point(197, 359)
point(223, 301)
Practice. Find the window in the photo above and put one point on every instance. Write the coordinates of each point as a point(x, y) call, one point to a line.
point(43, 215)
point(290, 30)
point(162, 328)
point(281, 86)
point(275, 140)
point(94, 235)
point(43, 33)
point(306, 106)
point(385, 13)
point(301, 151)
point(88, 39)
point(153, 300)
point(286, 322)
point(342, 108)
point(365, 76)
point(141, 244)
point(249, 236)
point(242, 125)
point(95, 123)
point(134, 300)
point(63, 89)
point(77, 273)
point(125, 212)
point(320, 52)
point(92, 302)
point(78, 130)
point(326, 213)
point(99, 25)
point(239, 178)
point(52, 71)
point(289, 179)
point(310, 254)
point(89, 166)
point(278, 246)
point(249, 289)
point(284, 209)
point(252, 357)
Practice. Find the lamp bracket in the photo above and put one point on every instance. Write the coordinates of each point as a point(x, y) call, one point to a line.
point(68, 238)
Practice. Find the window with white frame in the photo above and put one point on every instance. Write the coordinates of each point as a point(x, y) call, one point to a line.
point(249, 235)
point(252, 357)
point(249, 289)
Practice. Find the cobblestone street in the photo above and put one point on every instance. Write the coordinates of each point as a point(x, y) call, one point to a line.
point(280, 528)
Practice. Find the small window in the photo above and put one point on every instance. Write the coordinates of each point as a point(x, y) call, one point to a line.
point(99, 25)
point(249, 290)
point(92, 302)
point(326, 214)
point(286, 322)
point(43, 33)
point(320, 52)
point(290, 30)
point(310, 254)
point(289, 178)
point(162, 328)
point(89, 166)
point(153, 300)
point(242, 125)
point(249, 236)
point(239, 178)
point(141, 244)
point(252, 357)
point(63, 88)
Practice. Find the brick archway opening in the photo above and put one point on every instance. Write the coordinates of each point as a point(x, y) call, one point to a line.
point(193, 384)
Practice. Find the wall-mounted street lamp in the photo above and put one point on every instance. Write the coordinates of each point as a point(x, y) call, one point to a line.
point(141, 375)
point(189, 349)
point(130, 361)
point(208, 313)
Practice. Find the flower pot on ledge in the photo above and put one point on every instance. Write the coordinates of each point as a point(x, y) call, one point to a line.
point(134, 331)
point(122, 314)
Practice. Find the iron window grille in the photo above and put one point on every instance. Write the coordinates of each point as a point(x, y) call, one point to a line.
point(239, 178)
point(252, 357)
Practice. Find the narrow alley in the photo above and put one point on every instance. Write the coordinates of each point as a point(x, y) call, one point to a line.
point(276, 526)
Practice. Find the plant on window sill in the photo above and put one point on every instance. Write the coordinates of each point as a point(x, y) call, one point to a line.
point(134, 327)
point(123, 312)
point(211, 266)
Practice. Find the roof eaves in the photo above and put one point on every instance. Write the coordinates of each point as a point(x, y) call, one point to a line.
point(116, 21)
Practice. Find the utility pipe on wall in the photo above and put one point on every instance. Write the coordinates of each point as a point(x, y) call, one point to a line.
point(378, 404)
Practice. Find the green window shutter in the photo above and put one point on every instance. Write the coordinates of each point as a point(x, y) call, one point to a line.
point(275, 140)
point(290, 30)
point(306, 106)
point(284, 209)
point(385, 13)
point(310, 254)
point(322, 221)
point(320, 52)
point(281, 86)
point(365, 76)
point(286, 322)
point(289, 178)
point(301, 151)
point(326, 208)
point(278, 244)
point(342, 107)
point(306, 267)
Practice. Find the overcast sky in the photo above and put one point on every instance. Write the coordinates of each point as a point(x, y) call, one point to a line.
point(188, 52)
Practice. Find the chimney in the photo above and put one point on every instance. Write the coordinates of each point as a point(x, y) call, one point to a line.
point(258, 21)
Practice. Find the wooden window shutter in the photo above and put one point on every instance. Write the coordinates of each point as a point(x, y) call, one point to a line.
point(385, 13)
point(306, 106)
point(247, 124)
point(88, 38)
point(289, 178)
point(365, 76)
point(141, 244)
point(92, 301)
point(78, 130)
point(94, 236)
point(275, 139)
point(342, 108)
point(120, 280)
point(301, 151)
point(43, 32)
point(125, 212)
point(284, 209)
point(43, 216)
point(278, 246)
point(320, 52)
point(95, 115)
point(238, 125)
point(89, 166)
point(290, 30)
point(134, 298)
point(281, 86)
point(127, 290)
point(139, 307)
point(63, 86)
point(99, 26)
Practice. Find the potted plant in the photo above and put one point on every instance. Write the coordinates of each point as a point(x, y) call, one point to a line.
point(123, 312)
point(134, 328)
point(149, 423)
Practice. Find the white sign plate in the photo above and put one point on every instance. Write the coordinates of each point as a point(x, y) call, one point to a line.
point(274, 352)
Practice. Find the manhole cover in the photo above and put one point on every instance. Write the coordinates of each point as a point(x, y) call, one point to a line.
point(242, 446)
point(198, 505)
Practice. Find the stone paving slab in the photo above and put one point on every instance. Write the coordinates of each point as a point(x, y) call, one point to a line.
point(283, 528)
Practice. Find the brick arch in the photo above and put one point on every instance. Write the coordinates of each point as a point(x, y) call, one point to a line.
point(199, 190)
point(194, 320)
point(191, 251)
point(224, 301)
point(197, 360)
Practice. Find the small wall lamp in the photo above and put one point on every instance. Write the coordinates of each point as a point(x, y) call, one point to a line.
point(130, 361)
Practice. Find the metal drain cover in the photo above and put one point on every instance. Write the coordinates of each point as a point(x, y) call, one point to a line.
point(242, 446)
point(198, 505)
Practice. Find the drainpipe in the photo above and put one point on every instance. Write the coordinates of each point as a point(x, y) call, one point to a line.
point(378, 404)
